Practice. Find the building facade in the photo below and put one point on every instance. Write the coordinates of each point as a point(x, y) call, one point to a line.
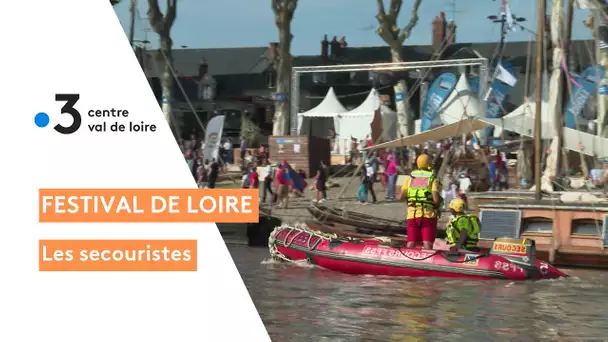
point(239, 82)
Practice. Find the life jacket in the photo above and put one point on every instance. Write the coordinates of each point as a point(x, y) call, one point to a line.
point(419, 192)
point(456, 227)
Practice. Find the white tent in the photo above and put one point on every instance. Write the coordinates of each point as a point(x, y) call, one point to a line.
point(521, 121)
point(461, 103)
point(357, 122)
point(320, 119)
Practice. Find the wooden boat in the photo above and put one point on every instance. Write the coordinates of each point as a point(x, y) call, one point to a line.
point(566, 234)
point(351, 232)
point(349, 221)
point(361, 221)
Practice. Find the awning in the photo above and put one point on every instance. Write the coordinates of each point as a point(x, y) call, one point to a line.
point(456, 129)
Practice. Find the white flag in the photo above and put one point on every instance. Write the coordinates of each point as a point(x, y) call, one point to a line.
point(508, 16)
point(505, 76)
point(213, 137)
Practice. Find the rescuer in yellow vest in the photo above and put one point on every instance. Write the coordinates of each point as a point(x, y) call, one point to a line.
point(421, 189)
point(463, 230)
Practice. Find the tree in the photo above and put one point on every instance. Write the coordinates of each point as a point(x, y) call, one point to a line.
point(394, 37)
point(251, 132)
point(283, 13)
point(161, 24)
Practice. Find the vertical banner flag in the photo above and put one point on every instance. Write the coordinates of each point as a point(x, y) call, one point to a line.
point(106, 236)
point(436, 95)
point(213, 137)
point(504, 81)
point(582, 88)
point(474, 84)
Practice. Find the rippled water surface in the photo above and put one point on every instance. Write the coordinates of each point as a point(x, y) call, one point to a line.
point(312, 304)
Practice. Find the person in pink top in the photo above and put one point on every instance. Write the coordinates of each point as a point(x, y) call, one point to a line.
point(391, 173)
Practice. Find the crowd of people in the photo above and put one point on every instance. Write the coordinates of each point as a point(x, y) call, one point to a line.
point(204, 171)
point(456, 182)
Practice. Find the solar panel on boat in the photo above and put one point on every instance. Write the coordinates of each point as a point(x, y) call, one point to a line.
point(500, 224)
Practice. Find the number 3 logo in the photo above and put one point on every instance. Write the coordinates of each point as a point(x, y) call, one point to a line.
point(68, 108)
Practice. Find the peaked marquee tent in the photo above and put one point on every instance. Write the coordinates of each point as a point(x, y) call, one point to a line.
point(324, 116)
point(358, 122)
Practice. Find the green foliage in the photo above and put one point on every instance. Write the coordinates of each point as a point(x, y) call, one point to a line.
point(250, 132)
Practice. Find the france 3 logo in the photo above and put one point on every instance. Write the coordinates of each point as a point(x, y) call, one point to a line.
point(43, 119)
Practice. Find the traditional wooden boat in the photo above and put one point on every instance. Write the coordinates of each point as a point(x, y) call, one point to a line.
point(350, 218)
point(359, 254)
point(341, 229)
point(346, 231)
point(567, 234)
point(361, 223)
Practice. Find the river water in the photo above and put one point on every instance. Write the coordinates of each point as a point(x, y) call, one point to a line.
point(311, 304)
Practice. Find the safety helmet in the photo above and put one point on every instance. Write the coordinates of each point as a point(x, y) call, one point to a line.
point(457, 205)
point(423, 161)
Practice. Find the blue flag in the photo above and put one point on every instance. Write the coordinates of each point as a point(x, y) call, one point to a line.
point(438, 92)
point(582, 88)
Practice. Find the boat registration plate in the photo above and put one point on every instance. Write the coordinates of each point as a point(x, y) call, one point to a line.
point(510, 248)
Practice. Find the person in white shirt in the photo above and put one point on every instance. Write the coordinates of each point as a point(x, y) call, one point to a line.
point(229, 152)
point(464, 183)
point(270, 175)
point(248, 158)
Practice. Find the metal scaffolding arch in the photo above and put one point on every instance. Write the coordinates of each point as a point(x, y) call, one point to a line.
point(296, 72)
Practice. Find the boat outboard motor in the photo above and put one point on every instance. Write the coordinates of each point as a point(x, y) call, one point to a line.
point(518, 251)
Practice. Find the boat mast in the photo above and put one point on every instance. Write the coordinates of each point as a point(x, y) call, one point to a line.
point(540, 48)
point(562, 161)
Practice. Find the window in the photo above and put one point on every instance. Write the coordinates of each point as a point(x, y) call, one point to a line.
point(271, 78)
point(587, 227)
point(208, 93)
point(537, 225)
point(232, 119)
point(319, 77)
point(207, 88)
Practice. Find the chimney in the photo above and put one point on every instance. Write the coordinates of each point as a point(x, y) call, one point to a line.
point(343, 46)
point(451, 33)
point(324, 47)
point(439, 28)
point(203, 68)
point(272, 50)
point(334, 47)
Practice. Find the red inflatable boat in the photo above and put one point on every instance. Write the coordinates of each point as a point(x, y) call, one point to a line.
point(512, 259)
